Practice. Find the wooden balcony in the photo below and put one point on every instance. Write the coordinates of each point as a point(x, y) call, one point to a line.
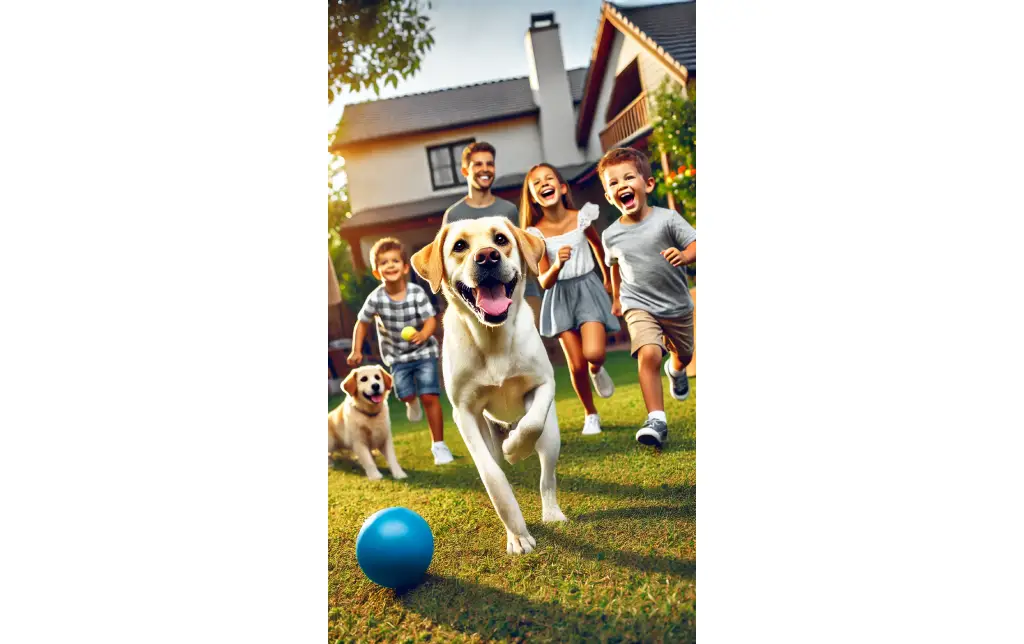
point(632, 119)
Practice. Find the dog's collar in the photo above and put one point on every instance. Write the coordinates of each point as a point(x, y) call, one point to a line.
point(365, 413)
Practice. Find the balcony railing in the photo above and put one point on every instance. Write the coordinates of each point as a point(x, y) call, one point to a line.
point(626, 123)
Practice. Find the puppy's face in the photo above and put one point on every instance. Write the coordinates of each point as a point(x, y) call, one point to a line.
point(367, 385)
point(480, 263)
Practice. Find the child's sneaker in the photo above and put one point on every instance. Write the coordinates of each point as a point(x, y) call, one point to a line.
point(654, 432)
point(591, 425)
point(680, 384)
point(413, 411)
point(603, 383)
point(442, 454)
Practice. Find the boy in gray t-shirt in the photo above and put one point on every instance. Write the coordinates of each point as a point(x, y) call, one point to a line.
point(646, 249)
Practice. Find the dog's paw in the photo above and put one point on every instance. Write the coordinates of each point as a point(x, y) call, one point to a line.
point(518, 445)
point(554, 515)
point(521, 543)
point(374, 476)
point(399, 474)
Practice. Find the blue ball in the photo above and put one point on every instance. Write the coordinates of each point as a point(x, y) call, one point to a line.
point(394, 547)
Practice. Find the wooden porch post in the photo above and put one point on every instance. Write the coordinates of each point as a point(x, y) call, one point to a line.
point(665, 169)
point(357, 254)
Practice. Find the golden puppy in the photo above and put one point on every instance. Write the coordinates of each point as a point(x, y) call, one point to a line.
point(497, 374)
point(362, 423)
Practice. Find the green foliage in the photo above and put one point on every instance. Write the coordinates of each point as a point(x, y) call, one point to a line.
point(355, 287)
point(675, 134)
point(374, 43)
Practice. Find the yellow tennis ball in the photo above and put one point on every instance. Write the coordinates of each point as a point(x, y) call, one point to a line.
point(408, 332)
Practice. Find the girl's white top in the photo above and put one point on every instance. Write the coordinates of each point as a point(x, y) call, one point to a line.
point(582, 261)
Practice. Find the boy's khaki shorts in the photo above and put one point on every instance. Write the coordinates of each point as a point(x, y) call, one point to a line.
point(671, 334)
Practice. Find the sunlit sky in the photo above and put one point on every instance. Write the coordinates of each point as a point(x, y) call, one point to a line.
point(477, 41)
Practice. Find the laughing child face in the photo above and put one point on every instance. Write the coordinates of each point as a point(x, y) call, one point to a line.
point(390, 267)
point(626, 189)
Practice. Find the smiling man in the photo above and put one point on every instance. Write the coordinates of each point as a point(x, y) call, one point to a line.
point(478, 168)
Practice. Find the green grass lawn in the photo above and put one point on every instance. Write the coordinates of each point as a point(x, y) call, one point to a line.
point(621, 569)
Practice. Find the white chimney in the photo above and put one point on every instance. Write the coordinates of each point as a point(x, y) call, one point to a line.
point(550, 85)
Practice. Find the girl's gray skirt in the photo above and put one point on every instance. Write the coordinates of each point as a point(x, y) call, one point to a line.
point(571, 302)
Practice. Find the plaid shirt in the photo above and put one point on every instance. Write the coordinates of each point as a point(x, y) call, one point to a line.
point(393, 316)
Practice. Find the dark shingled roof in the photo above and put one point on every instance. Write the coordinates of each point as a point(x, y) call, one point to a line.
point(400, 211)
point(437, 205)
point(673, 27)
point(444, 109)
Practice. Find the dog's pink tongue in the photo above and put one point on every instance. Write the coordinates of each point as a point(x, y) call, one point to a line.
point(376, 398)
point(493, 300)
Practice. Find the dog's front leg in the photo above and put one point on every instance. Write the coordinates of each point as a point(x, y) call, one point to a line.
point(548, 446)
point(472, 426)
point(523, 438)
point(362, 453)
point(389, 456)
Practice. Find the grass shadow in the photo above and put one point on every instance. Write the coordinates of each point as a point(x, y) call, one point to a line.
point(641, 513)
point(492, 614)
point(525, 480)
point(684, 493)
point(645, 563)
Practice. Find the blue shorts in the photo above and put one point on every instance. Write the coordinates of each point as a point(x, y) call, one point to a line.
point(415, 378)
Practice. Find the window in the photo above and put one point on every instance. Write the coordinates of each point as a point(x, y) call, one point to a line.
point(446, 164)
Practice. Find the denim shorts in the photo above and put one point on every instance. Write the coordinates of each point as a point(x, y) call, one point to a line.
point(415, 378)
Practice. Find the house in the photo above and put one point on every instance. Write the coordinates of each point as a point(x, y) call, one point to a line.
point(403, 155)
point(568, 118)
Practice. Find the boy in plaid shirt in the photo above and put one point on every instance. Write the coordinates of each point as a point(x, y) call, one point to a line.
point(395, 305)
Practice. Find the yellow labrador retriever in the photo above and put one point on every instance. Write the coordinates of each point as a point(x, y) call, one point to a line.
point(496, 371)
point(362, 423)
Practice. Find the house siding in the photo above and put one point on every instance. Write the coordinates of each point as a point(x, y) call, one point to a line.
point(383, 173)
point(594, 150)
point(623, 50)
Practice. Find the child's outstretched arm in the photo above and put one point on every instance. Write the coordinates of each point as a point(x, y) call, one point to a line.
point(426, 309)
point(678, 257)
point(355, 357)
point(548, 271)
point(685, 250)
point(598, 248)
point(421, 336)
point(616, 284)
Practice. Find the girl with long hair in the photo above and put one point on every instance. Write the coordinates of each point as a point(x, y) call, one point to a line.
point(576, 307)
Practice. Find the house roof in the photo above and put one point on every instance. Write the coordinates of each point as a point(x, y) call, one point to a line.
point(436, 205)
point(399, 212)
point(668, 31)
point(672, 27)
point(443, 109)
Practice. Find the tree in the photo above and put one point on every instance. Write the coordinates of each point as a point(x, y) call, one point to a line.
point(675, 134)
point(373, 43)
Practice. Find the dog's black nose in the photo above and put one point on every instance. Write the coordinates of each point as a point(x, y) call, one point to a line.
point(488, 256)
point(376, 387)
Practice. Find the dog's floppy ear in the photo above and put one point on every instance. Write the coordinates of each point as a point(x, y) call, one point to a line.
point(531, 248)
point(349, 383)
point(387, 378)
point(429, 263)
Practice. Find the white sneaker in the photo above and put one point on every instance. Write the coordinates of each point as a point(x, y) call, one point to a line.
point(441, 453)
point(602, 383)
point(413, 411)
point(591, 425)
